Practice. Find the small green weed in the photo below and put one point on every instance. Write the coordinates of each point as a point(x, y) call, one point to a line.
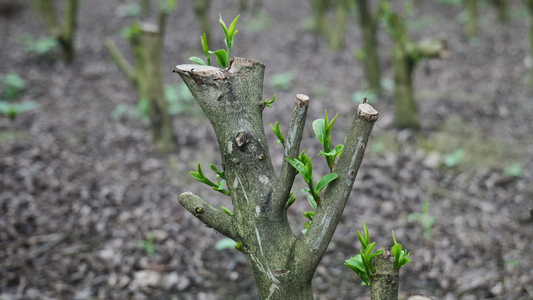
point(40, 49)
point(12, 110)
point(148, 244)
point(12, 85)
point(454, 159)
point(282, 81)
point(424, 218)
point(179, 98)
point(514, 170)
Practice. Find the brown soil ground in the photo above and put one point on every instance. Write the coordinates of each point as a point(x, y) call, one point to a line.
point(80, 188)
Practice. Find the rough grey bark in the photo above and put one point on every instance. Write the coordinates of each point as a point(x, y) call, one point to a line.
point(386, 280)
point(283, 265)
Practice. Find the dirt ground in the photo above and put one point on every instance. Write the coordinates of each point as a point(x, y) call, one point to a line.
point(81, 188)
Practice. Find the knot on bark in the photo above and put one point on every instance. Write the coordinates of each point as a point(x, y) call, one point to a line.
point(241, 140)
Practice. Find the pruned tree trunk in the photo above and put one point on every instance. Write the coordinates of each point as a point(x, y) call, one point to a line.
point(405, 56)
point(386, 278)
point(369, 22)
point(334, 32)
point(147, 44)
point(503, 9)
point(201, 10)
point(283, 264)
point(160, 121)
point(471, 26)
point(529, 7)
point(63, 33)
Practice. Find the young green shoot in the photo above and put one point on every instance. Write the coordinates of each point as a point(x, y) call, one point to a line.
point(269, 102)
point(322, 128)
point(222, 55)
point(277, 132)
point(217, 186)
point(362, 264)
point(401, 257)
point(304, 166)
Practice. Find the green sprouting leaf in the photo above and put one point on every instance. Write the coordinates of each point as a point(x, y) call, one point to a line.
point(269, 102)
point(320, 129)
point(337, 151)
point(291, 200)
point(231, 30)
point(223, 25)
point(201, 177)
point(240, 247)
point(330, 124)
point(321, 184)
point(225, 243)
point(278, 133)
point(312, 201)
point(401, 257)
point(356, 264)
point(197, 60)
point(219, 173)
point(221, 56)
point(205, 48)
point(229, 212)
point(299, 166)
point(308, 214)
point(367, 234)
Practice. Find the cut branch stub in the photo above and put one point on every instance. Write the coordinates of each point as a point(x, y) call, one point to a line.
point(231, 98)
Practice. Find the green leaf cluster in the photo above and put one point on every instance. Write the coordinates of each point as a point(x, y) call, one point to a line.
point(222, 55)
point(309, 214)
point(217, 186)
point(401, 257)
point(304, 166)
point(322, 128)
point(277, 132)
point(362, 264)
point(11, 87)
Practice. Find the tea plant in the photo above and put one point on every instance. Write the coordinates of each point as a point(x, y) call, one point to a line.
point(283, 263)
